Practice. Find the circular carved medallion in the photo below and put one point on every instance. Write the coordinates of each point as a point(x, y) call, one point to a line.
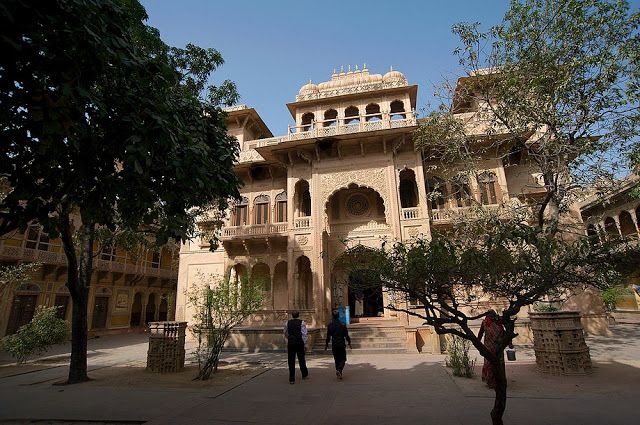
point(357, 204)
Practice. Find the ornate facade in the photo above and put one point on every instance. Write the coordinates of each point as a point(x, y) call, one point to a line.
point(126, 291)
point(345, 173)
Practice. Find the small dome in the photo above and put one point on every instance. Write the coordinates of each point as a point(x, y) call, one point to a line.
point(393, 76)
point(308, 88)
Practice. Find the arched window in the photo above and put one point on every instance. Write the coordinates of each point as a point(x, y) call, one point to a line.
point(307, 121)
point(373, 112)
point(351, 115)
point(462, 191)
point(240, 212)
point(408, 189)
point(281, 207)
point(261, 210)
point(611, 227)
point(330, 118)
point(397, 110)
point(437, 193)
point(627, 227)
point(488, 188)
point(302, 199)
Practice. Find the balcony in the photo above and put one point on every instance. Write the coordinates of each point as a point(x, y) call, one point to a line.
point(330, 128)
point(446, 216)
point(59, 258)
point(411, 213)
point(372, 227)
point(302, 222)
point(254, 230)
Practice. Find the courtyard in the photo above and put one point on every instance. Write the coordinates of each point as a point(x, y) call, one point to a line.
point(252, 388)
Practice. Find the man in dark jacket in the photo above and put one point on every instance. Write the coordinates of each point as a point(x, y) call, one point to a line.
point(295, 331)
point(337, 333)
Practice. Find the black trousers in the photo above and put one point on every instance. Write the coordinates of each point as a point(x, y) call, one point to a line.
point(294, 350)
point(340, 357)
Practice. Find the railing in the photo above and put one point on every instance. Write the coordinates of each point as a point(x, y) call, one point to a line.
point(301, 222)
point(254, 230)
point(447, 215)
point(59, 258)
point(410, 213)
point(314, 130)
point(372, 226)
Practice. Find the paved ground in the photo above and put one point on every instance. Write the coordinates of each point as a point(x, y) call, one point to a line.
point(377, 389)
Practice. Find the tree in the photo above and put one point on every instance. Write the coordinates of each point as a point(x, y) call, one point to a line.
point(106, 127)
point(555, 85)
point(220, 305)
point(512, 263)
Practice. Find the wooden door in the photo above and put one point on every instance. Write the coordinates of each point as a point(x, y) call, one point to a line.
point(100, 310)
point(22, 310)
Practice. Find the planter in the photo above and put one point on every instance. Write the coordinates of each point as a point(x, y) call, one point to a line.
point(558, 342)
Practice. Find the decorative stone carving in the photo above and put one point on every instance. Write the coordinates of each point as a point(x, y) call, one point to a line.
point(357, 204)
point(166, 346)
point(374, 178)
point(303, 239)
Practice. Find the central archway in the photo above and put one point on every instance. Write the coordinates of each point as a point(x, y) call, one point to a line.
point(353, 286)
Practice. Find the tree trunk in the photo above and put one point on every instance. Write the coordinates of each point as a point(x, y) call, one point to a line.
point(79, 279)
point(500, 403)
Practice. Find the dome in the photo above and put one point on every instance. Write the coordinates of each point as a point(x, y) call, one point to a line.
point(393, 76)
point(308, 88)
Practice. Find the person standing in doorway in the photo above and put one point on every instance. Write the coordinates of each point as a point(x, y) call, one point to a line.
point(295, 331)
point(337, 333)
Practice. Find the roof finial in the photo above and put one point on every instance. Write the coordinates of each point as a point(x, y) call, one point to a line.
point(391, 68)
point(356, 67)
point(349, 71)
point(364, 67)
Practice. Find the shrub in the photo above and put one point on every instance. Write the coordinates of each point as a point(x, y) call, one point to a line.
point(611, 295)
point(458, 356)
point(44, 330)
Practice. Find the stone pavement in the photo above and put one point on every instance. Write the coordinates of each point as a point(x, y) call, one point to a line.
point(377, 389)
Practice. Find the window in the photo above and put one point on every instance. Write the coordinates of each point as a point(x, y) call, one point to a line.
point(108, 252)
point(281, 207)
point(36, 239)
point(240, 212)
point(373, 112)
point(351, 115)
point(408, 189)
point(397, 110)
point(488, 190)
point(307, 121)
point(437, 193)
point(306, 204)
point(155, 260)
point(462, 192)
point(330, 118)
point(261, 210)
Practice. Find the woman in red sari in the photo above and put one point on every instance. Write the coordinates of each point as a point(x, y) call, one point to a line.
point(493, 332)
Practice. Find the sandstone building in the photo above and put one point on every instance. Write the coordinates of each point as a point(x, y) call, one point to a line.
point(347, 172)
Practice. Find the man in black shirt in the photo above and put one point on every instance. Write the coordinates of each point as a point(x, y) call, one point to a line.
point(337, 332)
point(295, 331)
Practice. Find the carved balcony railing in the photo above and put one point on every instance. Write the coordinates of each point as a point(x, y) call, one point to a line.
point(254, 230)
point(411, 213)
point(302, 222)
point(59, 258)
point(369, 227)
point(317, 129)
point(448, 215)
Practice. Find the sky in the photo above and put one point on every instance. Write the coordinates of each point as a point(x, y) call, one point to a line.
point(273, 47)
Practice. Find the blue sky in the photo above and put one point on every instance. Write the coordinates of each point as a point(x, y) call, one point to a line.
point(271, 48)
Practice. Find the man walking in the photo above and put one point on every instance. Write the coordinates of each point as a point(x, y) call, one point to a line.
point(337, 332)
point(295, 331)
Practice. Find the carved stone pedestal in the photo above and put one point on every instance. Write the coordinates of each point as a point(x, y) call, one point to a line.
point(558, 341)
point(166, 346)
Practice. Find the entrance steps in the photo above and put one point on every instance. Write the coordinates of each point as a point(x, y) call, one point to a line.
point(371, 337)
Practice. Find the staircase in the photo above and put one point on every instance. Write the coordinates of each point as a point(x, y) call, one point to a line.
point(371, 337)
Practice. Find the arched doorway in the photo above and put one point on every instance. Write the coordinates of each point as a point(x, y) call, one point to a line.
point(280, 287)
point(23, 307)
point(163, 311)
point(261, 276)
point(354, 286)
point(304, 284)
point(150, 314)
point(136, 311)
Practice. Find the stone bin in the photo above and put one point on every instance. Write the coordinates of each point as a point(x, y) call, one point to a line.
point(166, 346)
point(558, 341)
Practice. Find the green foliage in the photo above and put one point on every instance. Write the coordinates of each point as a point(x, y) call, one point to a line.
point(220, 305)
point(37, 336)
point(17, 273)
point(544, 307)
point(458, 357)
point(612, 295)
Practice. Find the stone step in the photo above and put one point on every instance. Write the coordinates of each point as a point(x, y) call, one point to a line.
point(370, 339)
